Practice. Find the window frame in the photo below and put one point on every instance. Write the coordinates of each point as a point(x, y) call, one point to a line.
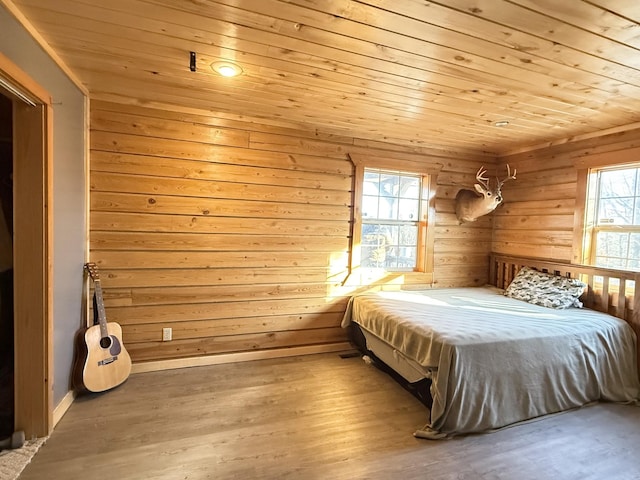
point(593, 199)
point(423, 272)
point(584, 228)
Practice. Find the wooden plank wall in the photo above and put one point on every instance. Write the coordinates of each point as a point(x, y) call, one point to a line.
point(537, 216)
point(461, 252)
point(236, 235)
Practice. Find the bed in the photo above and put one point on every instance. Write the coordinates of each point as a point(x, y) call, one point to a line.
point(490, 360)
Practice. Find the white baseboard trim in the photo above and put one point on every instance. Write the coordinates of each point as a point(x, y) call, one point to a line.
point(238, 357)
point(63, 406)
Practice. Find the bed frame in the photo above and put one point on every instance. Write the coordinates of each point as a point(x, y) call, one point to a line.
point(615, 292)
point(604, 285)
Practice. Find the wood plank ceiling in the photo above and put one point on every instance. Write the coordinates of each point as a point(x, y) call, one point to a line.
point(413, 72)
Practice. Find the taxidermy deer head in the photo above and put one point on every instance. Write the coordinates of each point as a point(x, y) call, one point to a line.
point(470, 205)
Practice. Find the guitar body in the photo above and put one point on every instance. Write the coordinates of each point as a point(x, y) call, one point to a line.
point(102, 362)
point(102, 367)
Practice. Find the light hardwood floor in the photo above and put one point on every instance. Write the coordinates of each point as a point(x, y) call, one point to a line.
point(314, 417)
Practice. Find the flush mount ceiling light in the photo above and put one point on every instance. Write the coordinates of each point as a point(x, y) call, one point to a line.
point(502, 123)
point(226, 69)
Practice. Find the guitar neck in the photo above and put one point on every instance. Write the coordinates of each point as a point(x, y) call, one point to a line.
point(102, 315)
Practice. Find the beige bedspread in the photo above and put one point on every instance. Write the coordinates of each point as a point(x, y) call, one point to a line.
point(495, 361)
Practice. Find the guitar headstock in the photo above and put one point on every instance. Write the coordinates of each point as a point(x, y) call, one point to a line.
point(92, 268)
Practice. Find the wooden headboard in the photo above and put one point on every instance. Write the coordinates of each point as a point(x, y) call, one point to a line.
point(604, 285)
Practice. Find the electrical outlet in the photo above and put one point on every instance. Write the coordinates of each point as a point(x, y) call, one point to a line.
point(167, 334)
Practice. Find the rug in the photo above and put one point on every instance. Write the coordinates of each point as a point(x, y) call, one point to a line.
point(12, 462)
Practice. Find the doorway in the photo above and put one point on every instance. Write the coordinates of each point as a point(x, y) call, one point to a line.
point(7, 390)
point(32, 225)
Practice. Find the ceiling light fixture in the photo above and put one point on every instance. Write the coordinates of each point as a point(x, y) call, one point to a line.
point(502, 123)
point(226, 69)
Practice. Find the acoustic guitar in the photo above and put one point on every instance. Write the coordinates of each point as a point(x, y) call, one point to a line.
point(102, 362)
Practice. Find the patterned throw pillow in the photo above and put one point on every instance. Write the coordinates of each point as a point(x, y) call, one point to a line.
point(544, 289)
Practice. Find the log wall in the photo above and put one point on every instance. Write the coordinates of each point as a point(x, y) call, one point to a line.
point(236, 235)
point(537, 216)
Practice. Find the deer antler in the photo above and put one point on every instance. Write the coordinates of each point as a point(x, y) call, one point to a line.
point(484, 181)
point(509, 176)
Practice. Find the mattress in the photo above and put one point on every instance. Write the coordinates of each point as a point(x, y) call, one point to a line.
point(495, 361)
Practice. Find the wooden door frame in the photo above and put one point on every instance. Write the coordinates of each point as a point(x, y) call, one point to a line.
point(33, 248)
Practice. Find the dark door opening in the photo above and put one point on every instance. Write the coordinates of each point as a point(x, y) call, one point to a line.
point(7, 352)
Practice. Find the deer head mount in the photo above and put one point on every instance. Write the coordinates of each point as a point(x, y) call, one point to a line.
point(472, 204)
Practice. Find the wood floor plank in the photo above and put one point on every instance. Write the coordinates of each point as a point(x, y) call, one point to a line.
point(314, 417)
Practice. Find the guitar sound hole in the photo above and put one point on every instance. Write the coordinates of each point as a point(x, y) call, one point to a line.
point(105, 342)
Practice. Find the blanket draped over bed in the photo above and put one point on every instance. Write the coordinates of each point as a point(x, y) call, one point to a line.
point(495, 361)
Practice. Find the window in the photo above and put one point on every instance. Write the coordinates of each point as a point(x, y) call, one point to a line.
point(390, 212)
point(393, 216)
point(613, 217)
